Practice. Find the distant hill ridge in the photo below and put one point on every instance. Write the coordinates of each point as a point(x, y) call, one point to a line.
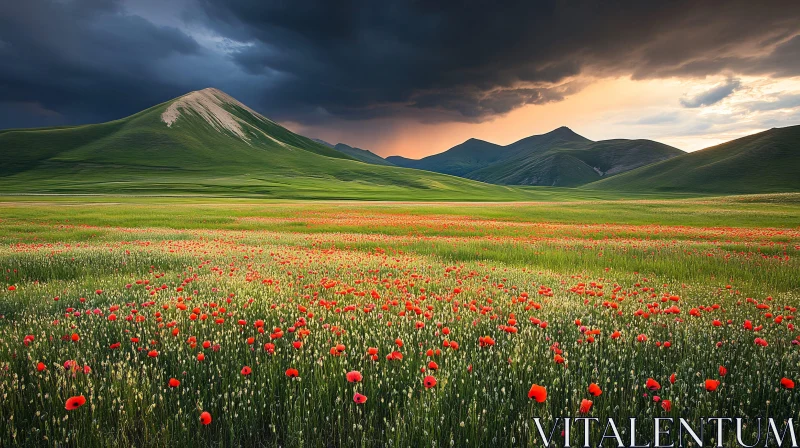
point(767, 162)
point(207, 142)
point(560, 157)
point(357, 153)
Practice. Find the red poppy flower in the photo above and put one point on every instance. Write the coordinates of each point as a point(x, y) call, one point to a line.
point(75, 402)
point(174, 382)
point(711, 385)
point(360, 399)
point(652, 384)
point(354, 376)
point(666, 405)
point(75, 337)
point(787, 383)
point(723, 371)
point(394, 356)
point(595, 390)
point(372, 351)
point(152, 354)
point(292, 373)
point(537, 393)
point(429, 382)
point(433, 366)
point(205, 418)
point(40, 367)
point(672, 378)
point(246, 370)
point(586, 405)
point(201, 357)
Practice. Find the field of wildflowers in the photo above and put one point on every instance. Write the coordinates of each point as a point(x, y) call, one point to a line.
point(341, 324)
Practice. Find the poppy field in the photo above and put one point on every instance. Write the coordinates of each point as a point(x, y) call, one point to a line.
point(186, 322)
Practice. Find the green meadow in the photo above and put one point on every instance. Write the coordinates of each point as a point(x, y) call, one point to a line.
point(151, 311)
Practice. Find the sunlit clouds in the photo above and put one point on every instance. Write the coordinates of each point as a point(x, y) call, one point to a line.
point(605, 109)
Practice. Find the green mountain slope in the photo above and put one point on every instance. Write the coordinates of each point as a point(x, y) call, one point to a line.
point(562, 137)
point(362, 154)
point(558, 158)
point(573, 163)
point(458, 160)
point(206, 142)
point(767, 162)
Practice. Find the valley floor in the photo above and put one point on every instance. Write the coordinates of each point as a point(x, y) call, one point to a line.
point(156, 310)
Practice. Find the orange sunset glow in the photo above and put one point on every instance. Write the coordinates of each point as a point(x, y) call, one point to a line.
point(605, 109)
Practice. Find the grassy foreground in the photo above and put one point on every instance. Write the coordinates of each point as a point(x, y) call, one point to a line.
point(590, 297)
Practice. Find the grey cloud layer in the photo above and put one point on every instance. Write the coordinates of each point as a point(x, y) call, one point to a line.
point(311, 61)
point(713, 95)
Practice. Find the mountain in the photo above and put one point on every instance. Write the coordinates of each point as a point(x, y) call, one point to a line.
point(458, 160)
point(362, 154)
point(323, 142)
point(206, 142)
point(558, 158)
point(767, 162)
point(573, 164)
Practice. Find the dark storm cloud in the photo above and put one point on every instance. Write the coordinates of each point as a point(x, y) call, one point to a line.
point(311, 60)
point(82, 60)
point(478, 104)
point(475, 60)
point(711, 96)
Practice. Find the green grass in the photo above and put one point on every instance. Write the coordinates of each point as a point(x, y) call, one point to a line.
point(265, 259)
point(547, 205)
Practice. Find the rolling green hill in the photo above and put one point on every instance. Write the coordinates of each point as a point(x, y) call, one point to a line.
point(767, 162)
point(208, 143)
point(558, 158)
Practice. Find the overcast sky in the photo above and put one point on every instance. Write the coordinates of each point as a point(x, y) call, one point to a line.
point(415, 77)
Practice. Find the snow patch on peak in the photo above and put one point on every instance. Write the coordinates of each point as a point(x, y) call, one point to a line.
point(209, 105)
